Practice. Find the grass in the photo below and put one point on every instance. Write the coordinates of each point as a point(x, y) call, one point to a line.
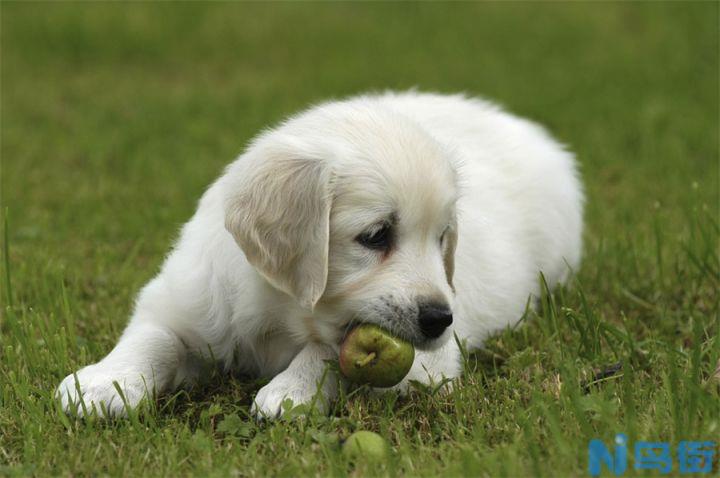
point(116, 116)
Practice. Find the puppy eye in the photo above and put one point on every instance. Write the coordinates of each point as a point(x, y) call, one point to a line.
point(378, 238)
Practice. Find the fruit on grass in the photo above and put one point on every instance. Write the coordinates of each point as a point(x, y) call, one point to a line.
point(371, 355)
point(365, 445)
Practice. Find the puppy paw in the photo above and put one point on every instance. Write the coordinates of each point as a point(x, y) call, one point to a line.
point(435, 369)
point(97, 391)
point(437, 384)
point(286, 392)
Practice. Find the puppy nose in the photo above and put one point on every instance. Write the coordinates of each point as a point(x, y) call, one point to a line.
point(434, 318)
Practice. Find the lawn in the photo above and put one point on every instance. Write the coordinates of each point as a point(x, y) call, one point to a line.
point(115, 117)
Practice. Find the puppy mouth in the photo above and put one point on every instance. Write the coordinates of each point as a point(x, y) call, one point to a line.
point(413, 335)
point(429, 344)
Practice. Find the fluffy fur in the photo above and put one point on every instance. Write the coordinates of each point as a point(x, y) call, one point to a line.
point(268, 275)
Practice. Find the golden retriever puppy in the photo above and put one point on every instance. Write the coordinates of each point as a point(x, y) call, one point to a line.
point(426, 214)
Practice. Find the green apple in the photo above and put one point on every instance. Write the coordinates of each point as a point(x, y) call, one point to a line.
point(367, 446)
point(371, 355)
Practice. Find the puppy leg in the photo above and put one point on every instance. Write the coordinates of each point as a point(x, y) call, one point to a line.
point(431, 367)
point(306, 378)
point(145, 361)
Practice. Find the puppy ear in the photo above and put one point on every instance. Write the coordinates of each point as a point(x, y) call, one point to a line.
point(449, 253)
point(278, 211)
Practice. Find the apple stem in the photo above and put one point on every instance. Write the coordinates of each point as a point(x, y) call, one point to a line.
point(368, 358)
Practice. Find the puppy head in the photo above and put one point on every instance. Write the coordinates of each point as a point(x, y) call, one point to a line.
point(352, 212)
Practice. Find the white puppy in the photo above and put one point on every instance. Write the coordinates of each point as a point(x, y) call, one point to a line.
point(426, 214)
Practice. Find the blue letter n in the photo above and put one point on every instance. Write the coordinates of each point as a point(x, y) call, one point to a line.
point(599, 454)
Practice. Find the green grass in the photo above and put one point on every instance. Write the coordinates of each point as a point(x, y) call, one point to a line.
point(115, 117)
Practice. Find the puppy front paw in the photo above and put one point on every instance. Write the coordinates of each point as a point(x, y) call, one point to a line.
point(437, 368)
point(440, 383)
point(287, 391)
point(95, 389)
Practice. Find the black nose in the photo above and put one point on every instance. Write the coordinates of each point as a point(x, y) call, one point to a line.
point(434, 318)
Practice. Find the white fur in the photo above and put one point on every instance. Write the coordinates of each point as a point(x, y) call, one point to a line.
point(267, 276)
